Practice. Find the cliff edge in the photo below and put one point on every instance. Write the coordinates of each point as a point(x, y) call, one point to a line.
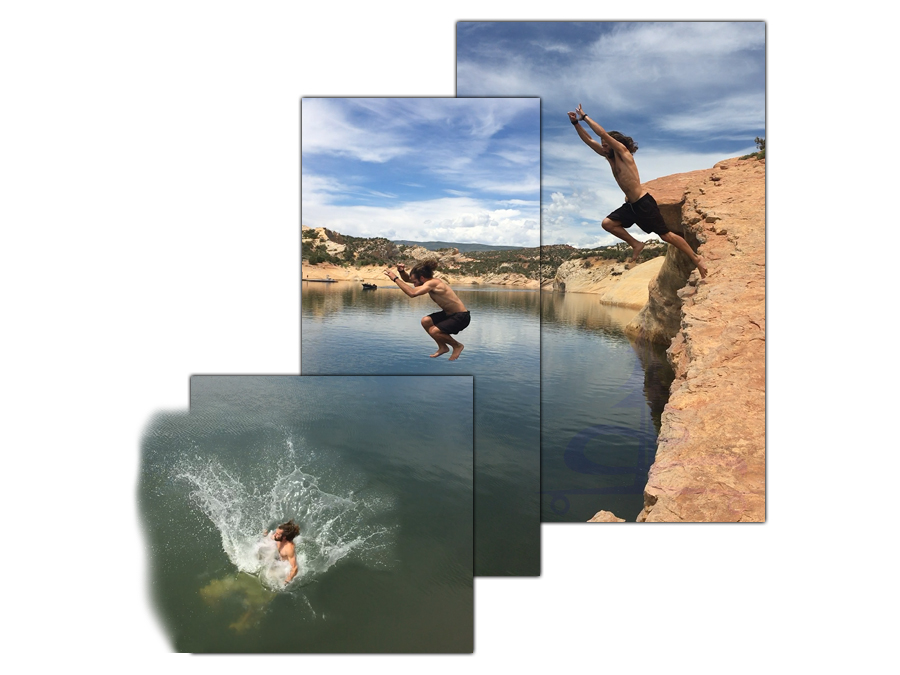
point(710, 459)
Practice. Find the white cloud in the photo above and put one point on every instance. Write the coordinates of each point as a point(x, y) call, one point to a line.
point(494, 184)
point(450, 219)
point(680, 38)
point(327, 129)
point(733, 113)
point(637, 69)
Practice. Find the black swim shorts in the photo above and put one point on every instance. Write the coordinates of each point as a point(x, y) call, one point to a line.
point(451, 323)
point(644, 212)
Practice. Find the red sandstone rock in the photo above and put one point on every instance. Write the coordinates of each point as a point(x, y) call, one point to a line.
point(606, 517)
point(710, 461)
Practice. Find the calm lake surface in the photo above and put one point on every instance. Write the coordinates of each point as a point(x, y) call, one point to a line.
point(348, 330)
point(377, 471)
point(601, 401)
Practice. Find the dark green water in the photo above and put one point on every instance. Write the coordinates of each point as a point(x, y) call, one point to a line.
point(346, 330)
point(601, 400)
point(378, 473)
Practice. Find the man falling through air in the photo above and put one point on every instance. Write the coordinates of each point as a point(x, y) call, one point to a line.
point(452, 318)
point(639, 206)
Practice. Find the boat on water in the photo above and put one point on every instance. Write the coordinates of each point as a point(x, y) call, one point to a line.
point(369, 287)
point(326, 280)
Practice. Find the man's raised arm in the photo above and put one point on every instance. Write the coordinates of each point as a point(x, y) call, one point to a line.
point(600, 131)
point(585, 136)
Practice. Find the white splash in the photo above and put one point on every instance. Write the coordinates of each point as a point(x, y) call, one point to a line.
point(332, 527)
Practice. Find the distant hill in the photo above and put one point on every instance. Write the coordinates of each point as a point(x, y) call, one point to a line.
point(463, 248)
point(321, 245)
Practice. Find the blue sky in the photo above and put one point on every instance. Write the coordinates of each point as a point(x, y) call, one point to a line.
point(689, 93)
point(447, 169)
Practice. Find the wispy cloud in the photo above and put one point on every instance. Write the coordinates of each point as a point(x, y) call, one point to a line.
point(327, 129)
point(369, 165)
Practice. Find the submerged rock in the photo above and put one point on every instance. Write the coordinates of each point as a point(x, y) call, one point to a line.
point(242, 595)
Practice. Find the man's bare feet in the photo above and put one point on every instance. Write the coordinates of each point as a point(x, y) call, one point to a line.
point(457, 350)
point(442, 350)
point(702, 268)
point(637, 248)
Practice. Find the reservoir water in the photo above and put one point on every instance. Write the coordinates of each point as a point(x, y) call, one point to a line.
point(348, 330)
point(602, 397)
point(378, 473)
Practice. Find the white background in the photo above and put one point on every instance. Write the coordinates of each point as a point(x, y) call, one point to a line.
point(149, 203)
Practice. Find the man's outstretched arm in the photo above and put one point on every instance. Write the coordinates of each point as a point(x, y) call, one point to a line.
point(585, 136)
point(600, 131)
point(412, 291)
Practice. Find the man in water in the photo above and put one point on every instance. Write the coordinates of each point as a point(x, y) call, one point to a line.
point(452, 318)
point(284, 536)
point(639, 206)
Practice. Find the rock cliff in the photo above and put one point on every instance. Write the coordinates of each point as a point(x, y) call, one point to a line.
point(710, 460)
point(616, 283)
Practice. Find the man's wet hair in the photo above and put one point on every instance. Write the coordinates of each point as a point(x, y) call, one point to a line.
point(289, 530)
point(627, 141)
point(424, 269)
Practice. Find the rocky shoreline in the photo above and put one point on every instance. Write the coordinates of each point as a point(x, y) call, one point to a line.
point(618, 284)
point(374, 274)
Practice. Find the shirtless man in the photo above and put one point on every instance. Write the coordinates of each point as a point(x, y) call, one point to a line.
point(284, 536)
point(639, 206)
point(453, 316)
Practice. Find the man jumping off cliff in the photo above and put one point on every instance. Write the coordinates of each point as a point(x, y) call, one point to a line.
point(639, 206)
point(453, 317)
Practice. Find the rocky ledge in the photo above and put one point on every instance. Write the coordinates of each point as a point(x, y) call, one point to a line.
point(710, 461)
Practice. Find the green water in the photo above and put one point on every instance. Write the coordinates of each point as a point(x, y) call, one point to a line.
point(378, 473)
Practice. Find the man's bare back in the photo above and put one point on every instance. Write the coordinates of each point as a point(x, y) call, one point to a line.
point(620, 159)
point(444, 296)
point(284, 539)
point(625, 172)
point(437, 290)
point(286, 550)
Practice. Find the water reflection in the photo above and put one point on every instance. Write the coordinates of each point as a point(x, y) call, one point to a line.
point(602, 397)
point(348, 330)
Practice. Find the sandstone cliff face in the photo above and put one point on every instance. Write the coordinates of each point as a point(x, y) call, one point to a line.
point(616, 283)
point(710, 460)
